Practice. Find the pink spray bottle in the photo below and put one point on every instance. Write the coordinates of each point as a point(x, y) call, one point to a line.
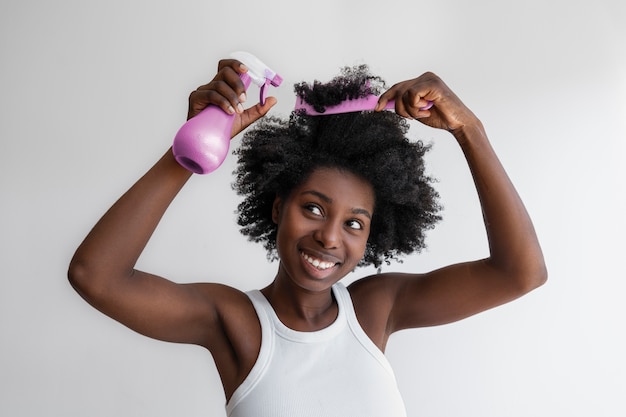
point(202, 143)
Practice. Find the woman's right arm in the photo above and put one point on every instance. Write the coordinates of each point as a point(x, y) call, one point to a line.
point(103, 268)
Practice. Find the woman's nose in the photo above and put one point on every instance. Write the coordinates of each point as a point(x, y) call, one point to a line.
point(328, 234)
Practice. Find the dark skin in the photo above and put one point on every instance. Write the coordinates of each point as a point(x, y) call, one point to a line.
point(325, 221)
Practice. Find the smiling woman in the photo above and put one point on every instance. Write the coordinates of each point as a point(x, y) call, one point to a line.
point(324, 194)
point(322, 228)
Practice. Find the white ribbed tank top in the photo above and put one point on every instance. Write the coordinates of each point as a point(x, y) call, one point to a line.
point(334, 372)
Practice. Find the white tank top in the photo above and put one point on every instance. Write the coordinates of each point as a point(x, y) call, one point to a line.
point(334, 372)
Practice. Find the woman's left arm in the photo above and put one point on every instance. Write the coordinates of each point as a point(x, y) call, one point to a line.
point(515, 264)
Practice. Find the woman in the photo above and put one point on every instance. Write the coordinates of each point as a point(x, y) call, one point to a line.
point(324, 194)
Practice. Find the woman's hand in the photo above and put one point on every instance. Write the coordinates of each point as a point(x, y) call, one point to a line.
point(413, 96)
point(227, 91)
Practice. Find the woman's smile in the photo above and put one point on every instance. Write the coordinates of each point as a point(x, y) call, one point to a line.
point(318, 263)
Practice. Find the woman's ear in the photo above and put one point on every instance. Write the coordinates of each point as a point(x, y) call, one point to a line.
point(276, 208)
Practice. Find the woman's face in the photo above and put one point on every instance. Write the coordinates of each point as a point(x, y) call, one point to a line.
point(323, 227)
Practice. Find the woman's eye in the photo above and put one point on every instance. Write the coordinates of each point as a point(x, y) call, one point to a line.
point(354, 224)
point(314, 209)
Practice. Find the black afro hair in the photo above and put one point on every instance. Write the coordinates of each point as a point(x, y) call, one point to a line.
point(277, 155)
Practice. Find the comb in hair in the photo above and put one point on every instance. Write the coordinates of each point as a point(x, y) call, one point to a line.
point(349, 106)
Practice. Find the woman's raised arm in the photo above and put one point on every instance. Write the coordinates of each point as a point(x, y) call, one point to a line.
point(103, 268)
point(515, 264)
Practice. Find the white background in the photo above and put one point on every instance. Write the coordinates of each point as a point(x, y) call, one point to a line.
point(92, 93)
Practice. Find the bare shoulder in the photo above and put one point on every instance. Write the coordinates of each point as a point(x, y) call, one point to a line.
point(373, 298)
point(375, 288)
point(233, 311)
point(235, 340)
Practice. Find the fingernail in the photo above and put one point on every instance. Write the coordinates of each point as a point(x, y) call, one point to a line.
point(242, 97)
point(231, 110)
point(239, 108)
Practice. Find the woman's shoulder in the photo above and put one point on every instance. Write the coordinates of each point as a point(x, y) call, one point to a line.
point(373, 300)
point(230, 303)
point(376, 286)
point(236, 345)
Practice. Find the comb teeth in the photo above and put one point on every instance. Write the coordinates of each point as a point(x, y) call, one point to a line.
point(346, 106)
point(349, 106)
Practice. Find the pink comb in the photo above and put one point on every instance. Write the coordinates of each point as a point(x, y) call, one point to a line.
point(349, 106)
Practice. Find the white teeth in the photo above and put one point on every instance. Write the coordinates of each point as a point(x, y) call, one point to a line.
point(317, 263)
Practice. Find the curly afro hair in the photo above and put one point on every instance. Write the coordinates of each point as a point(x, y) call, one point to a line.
point(277, 155)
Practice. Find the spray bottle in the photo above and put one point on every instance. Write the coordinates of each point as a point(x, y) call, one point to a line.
point(202, 143)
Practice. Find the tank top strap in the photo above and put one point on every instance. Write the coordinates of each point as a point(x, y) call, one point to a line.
point(263, 311)
point(344, 300)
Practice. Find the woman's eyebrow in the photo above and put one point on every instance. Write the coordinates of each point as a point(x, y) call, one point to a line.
point(329, 200)
point(363, 212)
point(322, 196)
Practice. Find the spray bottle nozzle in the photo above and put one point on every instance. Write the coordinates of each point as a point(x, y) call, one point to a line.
point(259, 73)
point(275, 80)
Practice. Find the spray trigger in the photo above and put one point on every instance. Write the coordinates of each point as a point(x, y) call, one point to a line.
point(259, 73)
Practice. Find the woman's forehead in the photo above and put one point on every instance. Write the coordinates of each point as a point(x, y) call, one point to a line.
point(335, 184)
